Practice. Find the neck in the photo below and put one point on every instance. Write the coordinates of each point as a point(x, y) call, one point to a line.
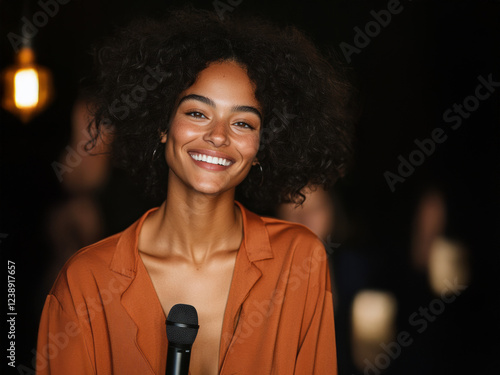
point(193, 226)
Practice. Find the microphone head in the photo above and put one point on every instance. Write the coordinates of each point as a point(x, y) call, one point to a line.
point(182, 325)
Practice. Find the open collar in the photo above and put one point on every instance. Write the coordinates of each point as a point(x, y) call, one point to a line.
point(141, 301)
point(255, 237)
point(126, 256)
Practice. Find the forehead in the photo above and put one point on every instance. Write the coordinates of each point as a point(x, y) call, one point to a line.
point(225, 81)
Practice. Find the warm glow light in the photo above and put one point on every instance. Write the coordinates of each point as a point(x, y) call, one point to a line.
point(448, 266)
point(26, 88)
point(373, 315)
point(373, 324)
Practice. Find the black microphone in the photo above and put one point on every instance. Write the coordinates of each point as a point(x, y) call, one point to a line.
point(182, 328)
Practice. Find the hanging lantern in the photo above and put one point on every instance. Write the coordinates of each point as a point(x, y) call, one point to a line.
point(28, 87)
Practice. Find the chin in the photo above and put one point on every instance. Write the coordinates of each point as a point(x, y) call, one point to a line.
point(209, 188)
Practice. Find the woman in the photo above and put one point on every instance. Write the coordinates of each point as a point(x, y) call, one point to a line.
point(199, 107)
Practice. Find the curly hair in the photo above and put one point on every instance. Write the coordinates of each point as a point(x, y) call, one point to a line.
point(306, 129)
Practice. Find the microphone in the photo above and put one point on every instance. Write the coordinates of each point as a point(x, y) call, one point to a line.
point(182, 328)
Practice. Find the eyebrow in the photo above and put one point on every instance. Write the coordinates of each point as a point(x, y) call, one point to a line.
point(211, 103)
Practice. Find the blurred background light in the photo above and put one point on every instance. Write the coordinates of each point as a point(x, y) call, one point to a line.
point(373, 323)
point(28, 88)
point(448, 266)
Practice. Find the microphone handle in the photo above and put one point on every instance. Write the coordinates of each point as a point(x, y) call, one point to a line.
point(178, 361)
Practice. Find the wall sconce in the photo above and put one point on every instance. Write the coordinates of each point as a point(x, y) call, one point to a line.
point(28, 87)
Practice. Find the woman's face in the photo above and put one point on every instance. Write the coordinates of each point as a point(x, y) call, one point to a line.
point(213, 137)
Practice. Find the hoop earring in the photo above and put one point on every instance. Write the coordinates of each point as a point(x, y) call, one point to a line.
point(156, 155)
point(261, 174)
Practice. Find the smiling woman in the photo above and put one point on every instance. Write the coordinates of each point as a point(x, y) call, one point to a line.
point(261, 286)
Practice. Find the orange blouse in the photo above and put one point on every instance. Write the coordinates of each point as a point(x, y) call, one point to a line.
point(103, 316)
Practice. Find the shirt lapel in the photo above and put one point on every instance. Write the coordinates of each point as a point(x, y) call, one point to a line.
point(139, 299)
point(255, 247)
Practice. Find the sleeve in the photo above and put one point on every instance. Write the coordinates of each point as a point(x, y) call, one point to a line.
point(317, 353)
point(61, 347)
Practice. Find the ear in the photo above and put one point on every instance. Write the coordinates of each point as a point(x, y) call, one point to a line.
point(163, 137)
point(255, 162)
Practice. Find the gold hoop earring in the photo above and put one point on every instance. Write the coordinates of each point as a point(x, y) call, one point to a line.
point(156, 154)
point(261, 173)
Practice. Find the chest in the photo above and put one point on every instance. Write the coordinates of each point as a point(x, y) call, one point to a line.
point(206, 287)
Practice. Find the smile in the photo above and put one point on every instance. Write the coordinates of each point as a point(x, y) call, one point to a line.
point(211, 160)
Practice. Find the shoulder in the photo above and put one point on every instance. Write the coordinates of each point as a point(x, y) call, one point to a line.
point(107, 261)
point(298, 254)
point(287, 239)
point(295, 241)
point(85, 265)
point(100, 252)
point(281, 230)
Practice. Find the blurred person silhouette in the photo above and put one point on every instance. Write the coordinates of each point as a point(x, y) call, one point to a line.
point(434, 294)
point(323, 211)
point(318, 213)
point(433, 252)
point(77, 220)
point(92, 193)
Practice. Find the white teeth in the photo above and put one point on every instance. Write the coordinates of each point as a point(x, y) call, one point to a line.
point(210, 159)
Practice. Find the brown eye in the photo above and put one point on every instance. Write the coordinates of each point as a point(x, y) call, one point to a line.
point(242, 124)
point(196, 114)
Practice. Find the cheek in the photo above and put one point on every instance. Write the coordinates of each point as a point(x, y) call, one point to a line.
point(179, 134)
point(181, 131)
point(250, 146)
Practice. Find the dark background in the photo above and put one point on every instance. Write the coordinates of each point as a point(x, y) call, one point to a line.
point(426, 59)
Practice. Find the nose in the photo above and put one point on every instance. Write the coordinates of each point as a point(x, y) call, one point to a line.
point(217, 135)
